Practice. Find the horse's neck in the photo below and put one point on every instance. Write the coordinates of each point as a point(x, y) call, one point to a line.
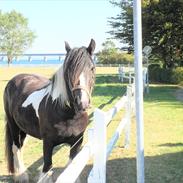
point(58, 89)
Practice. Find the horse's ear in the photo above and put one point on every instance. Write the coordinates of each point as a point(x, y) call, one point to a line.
point(67, 47)
point(91, 47)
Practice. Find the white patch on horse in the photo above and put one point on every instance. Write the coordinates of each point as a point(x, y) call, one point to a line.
point(59, 88)
point(35, 99)
point(84, 95)
point(20, 171)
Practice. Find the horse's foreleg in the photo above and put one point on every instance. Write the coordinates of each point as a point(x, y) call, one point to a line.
point(46, 176)
point(75, 148)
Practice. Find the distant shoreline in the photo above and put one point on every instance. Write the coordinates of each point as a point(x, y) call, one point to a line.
point(32, 63)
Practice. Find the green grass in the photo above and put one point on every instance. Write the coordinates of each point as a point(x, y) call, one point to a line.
point(163, 133)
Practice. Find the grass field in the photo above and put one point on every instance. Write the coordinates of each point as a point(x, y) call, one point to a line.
point(163, 133)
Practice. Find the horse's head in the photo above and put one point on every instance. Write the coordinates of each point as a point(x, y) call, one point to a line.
point(79, 74)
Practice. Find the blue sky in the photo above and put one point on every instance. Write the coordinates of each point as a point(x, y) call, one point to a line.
point(56, 21)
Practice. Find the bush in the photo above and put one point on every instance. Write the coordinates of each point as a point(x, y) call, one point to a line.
point(154, 70)
point(165, 75)
point(158, 74)
point(177, 75)
point(114, 58)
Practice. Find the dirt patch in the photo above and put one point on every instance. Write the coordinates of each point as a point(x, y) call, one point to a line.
point(179, 94)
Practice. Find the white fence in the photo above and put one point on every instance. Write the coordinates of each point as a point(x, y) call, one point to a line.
point(128, 73)
point(97, 147)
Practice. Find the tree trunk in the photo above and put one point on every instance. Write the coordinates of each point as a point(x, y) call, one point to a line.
point(9, 60)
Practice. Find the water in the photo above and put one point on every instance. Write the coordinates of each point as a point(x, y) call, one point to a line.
point(35, 62)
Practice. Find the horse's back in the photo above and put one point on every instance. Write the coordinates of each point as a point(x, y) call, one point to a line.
point(29, 82)
point(18, 89)
point(21, 86)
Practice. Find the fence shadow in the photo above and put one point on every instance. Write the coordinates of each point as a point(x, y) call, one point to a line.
point(6, 179)
point(106, 78)
point(101, 107)
point(171, 145)
point(166, 168)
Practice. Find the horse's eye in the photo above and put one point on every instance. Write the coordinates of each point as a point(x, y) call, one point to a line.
point(92, 68)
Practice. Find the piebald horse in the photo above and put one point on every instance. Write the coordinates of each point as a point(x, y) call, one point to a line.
point(53, 110)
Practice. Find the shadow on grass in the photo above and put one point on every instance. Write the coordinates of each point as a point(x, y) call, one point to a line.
point(101, 107)
point(172, 145)
point(114, 91)
point(102, 78)
point(166, 168)
point(163, 95)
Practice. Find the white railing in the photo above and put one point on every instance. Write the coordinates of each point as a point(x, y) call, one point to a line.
point(128, 73)
point(97, 147)
point(101, 149)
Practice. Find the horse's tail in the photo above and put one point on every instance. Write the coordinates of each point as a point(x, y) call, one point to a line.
point(8, 148)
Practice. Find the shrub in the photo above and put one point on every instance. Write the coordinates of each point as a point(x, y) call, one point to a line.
point(154, 70)
point(162, 75)
point(114, 58)
point(177, 75)
point(165, 75)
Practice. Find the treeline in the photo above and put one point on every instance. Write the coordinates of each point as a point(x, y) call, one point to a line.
point(169, 76)
point(112, 55)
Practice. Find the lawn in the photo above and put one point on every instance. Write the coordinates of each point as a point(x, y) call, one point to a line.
point(163, 128)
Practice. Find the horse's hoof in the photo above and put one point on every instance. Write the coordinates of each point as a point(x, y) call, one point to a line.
point(46, 177)
point(78, 180)
point(22, 178)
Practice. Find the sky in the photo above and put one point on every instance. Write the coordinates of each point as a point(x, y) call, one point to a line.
point(56, 21)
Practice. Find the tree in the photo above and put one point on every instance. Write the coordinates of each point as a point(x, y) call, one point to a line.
point(122, 24)
point(111, 55)
point(162, 28)
point(15, 35)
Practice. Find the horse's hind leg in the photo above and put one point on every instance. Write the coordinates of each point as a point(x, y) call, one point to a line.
point(14, 142)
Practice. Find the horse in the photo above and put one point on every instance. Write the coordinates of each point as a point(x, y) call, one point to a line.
point(52, 110)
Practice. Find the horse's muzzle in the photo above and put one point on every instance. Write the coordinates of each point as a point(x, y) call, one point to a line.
point(82, 105)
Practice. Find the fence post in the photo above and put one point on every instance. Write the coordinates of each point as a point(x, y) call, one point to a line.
point(100, 147)
point(128, 116)
point(121, 73)
point(133, 99)
point(130, 77)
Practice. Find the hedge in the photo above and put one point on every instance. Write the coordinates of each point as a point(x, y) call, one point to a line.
point(177, 75)
point(171, 76)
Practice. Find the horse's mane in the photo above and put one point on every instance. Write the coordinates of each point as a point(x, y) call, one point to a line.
point(74, 64)
point(69, 72)
point(58, 90)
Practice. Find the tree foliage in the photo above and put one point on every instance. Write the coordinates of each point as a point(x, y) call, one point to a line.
point(162, 28)
point(111, 55)
point(122, 24)
point(15, 35)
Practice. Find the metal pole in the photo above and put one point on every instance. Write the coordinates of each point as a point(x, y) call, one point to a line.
point(139, 88)
point(147, 75)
